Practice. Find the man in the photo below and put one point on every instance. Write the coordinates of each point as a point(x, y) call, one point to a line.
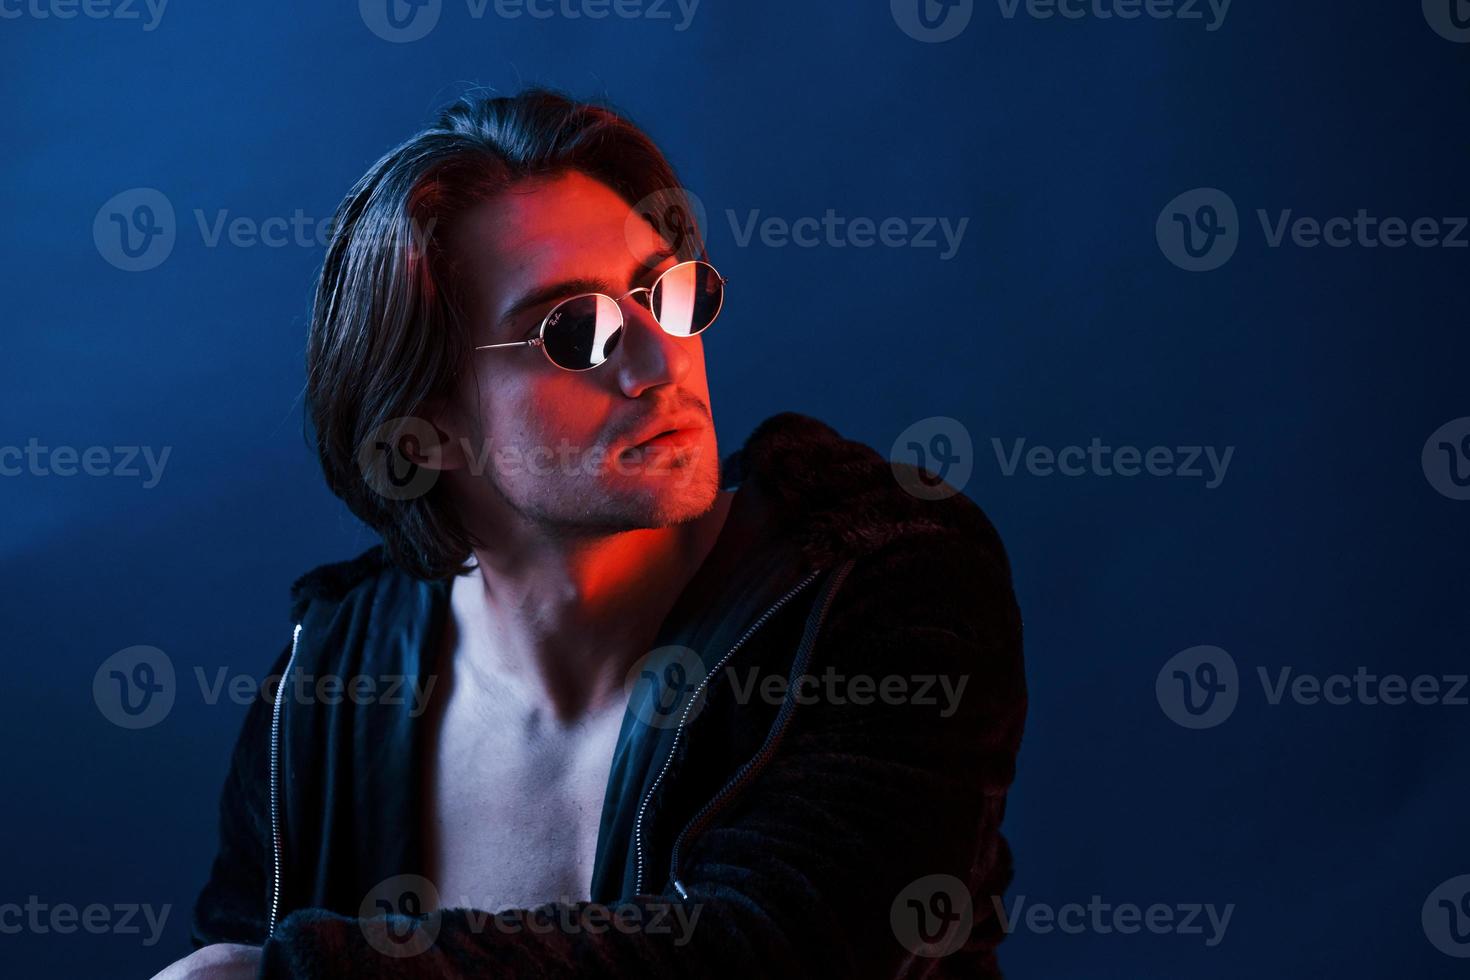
point(658, 714)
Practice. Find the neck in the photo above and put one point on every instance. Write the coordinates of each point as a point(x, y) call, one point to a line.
point(560, 621)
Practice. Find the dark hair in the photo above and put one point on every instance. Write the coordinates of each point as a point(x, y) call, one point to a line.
point(387, 332)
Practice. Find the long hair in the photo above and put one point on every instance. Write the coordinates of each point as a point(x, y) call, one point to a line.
point(387, 332)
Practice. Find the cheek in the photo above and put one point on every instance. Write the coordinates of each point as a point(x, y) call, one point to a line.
point(696, 380)
point(547, 409)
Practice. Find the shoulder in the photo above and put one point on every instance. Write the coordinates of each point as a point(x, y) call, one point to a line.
point(839, 498)
point(929, 578)
point(338, 581)
point(362, 613)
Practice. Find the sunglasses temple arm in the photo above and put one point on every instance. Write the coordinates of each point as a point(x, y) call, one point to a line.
point(533, 342)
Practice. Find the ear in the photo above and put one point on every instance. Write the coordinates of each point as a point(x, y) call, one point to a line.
point(434, 443)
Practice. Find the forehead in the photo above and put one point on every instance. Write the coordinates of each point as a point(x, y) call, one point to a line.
point(544, 228)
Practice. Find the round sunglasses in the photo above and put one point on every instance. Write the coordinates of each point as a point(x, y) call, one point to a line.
point(582, 331)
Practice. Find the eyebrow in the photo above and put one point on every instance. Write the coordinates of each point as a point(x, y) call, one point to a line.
point(538, 295)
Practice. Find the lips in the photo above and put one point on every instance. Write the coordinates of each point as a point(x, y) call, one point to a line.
point(670, 432)
point(678, 439)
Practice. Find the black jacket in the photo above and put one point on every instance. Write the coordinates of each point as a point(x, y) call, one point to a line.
point(775, 836)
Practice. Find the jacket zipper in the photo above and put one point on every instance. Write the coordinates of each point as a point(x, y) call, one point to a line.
point(679, 731)
point(275, 781)
point(754, 765)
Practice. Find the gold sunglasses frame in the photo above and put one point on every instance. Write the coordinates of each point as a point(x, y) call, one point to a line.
point(540, 339)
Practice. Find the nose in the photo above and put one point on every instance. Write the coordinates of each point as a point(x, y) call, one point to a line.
point(650, 357)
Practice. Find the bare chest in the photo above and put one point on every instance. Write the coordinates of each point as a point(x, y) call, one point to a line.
point(513, 807)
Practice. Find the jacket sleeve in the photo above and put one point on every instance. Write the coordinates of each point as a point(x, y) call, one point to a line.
point(231, 908)
point(813, 868)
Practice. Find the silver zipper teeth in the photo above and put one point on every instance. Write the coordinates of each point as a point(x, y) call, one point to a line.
point(761, 757)
point(683, 717)
point(275, 781)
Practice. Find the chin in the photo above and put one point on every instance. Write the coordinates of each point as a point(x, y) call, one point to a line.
point(671, 489)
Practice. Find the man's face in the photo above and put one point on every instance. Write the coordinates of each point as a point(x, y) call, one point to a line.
point(557, 446)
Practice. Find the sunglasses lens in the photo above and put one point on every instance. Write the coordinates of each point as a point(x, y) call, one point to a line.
point(583, 331)
point(688, 298)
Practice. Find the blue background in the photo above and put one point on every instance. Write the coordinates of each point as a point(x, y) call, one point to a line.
point(1324, 549)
